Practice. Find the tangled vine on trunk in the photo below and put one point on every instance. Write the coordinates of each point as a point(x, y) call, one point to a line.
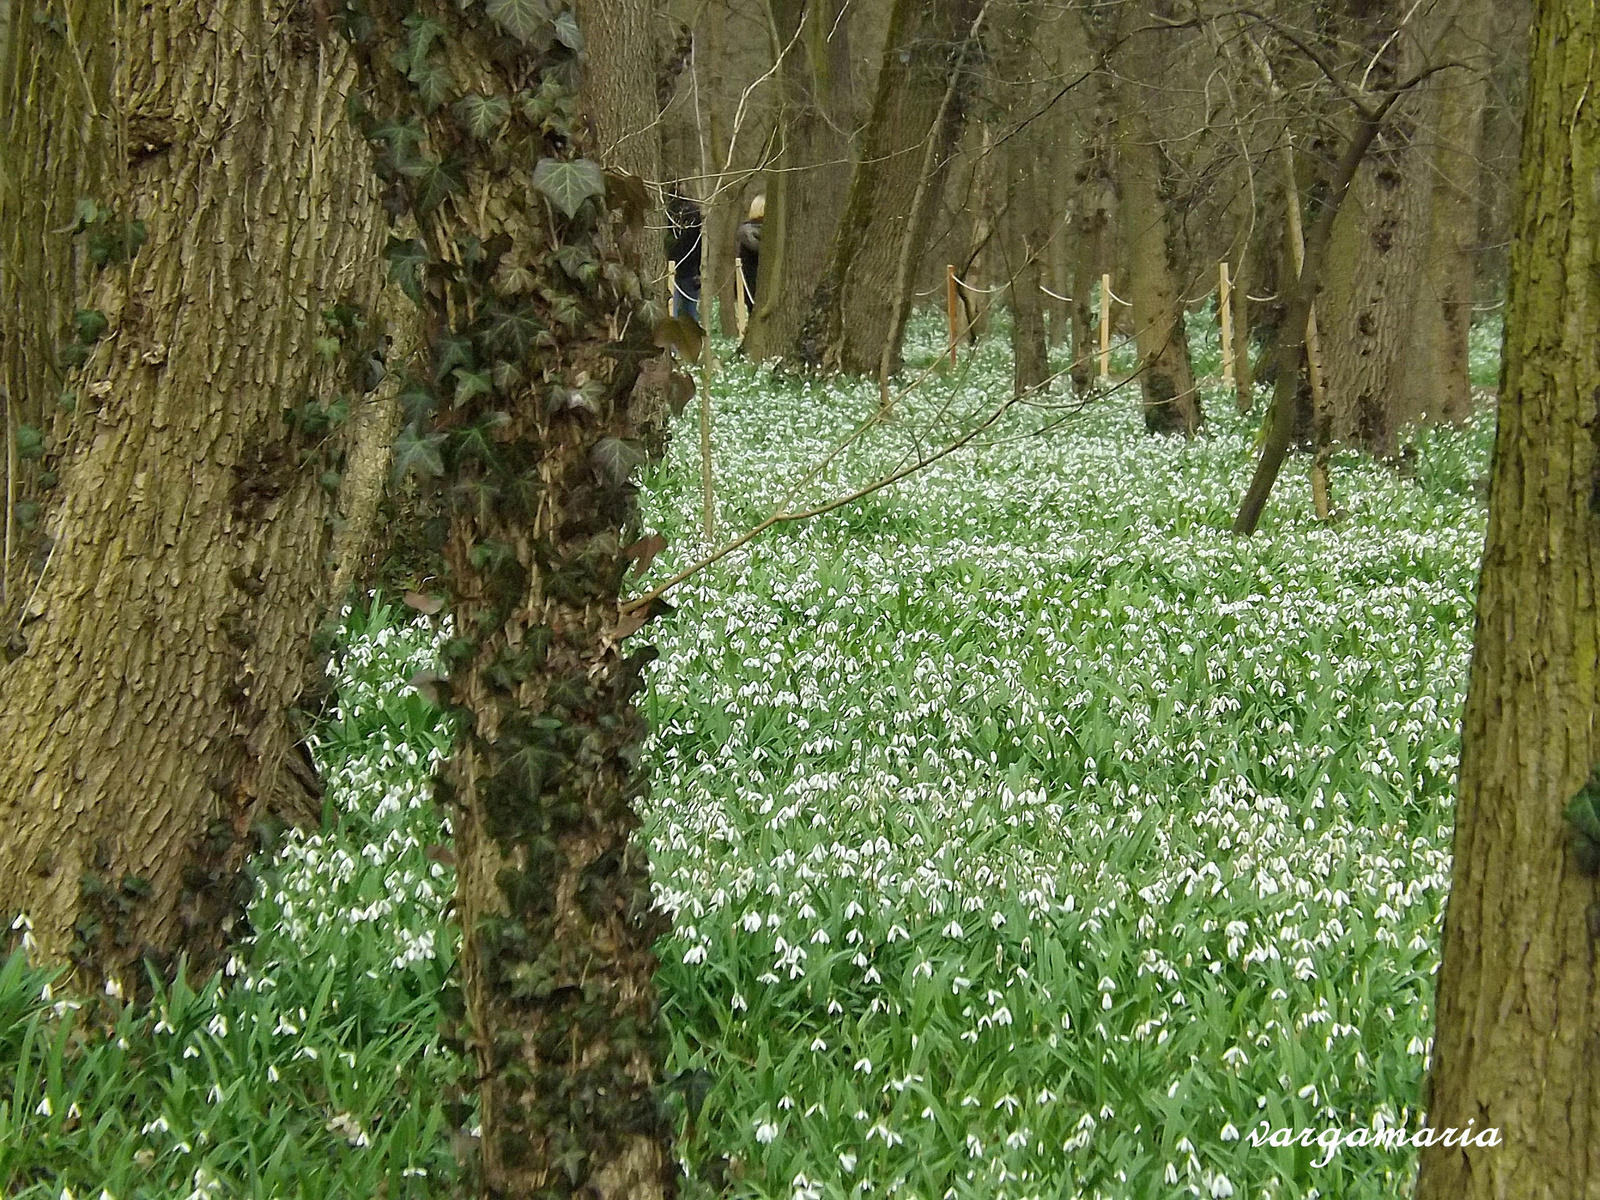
point(530, 414)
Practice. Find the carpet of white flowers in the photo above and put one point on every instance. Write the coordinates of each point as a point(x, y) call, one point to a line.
point(1027, 835)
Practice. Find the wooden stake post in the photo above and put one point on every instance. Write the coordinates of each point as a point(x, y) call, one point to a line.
point(1225, 317)
point(952, 302)
point(1105, 329)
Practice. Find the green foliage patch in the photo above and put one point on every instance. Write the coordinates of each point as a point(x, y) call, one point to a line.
point(1025, 834)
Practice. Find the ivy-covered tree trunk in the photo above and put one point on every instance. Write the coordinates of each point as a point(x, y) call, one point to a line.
point(1519, 989)
point(809, 179)
point(861, 305)
point(234, 249)
point(527, 414)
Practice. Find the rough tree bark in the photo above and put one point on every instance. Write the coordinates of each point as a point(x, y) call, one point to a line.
point(541, 369)
point(1025, 226)
point(1166, 375)
point(51, 143)
point(862, 303)
point(1369, 290)
point(1518, 993)
point(1436, 382)
point(809, 178)
point(170, 630)
point(620, 98)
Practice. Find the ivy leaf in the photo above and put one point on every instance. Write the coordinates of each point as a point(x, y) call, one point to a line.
point(1584, 810)
point(564, 308)
point(432, 83)
point(483, 115)
point(452, 352)
point(522, 19)
point(569, 183)
point(406, 260)
point(514, 278)
point(418, 402)
point(470, 384)
point(438, 181)
point(615, 459)
point(568, 33)
point(418, 453)
point(509, 333)
point(423, 34)
point(327, 348)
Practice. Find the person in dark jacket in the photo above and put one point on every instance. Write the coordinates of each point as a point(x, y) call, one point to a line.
point(750, 250)
point(684, 222)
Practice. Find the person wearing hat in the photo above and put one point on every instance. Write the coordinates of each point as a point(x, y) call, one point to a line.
point(750, 250)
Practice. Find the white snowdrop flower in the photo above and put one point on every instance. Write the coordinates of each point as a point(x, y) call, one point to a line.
point(44, 1108)
point(953, 930)
point(114, 988)
point(997, 919)
point(272, 1074)
point(889, 1136)
point(1235, 1057)
point(847, 1162)
point(1170, 1175)
point(1184, 1146)
point(217, 1027)
point(864, 1065)
point(738, 1003)
point(852, 911)
point(818, 1045)
point(191, 1052)
point(766, 1133)
point(159, 1125)
point(786, 1103)
point(1105, 1001)
point(695, 955)
point(1221, 1187)
point(820, 938)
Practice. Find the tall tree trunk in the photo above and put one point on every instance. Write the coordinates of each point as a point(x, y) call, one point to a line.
point(619, 95)
point(859, 311)
point(1436, 382)
point(55, 148)
point(1370, 287)
point(1518, 993)
point(1166, 375)
point(1025, 227)
point(810, 176)
point(170, 630)
point(542, 368)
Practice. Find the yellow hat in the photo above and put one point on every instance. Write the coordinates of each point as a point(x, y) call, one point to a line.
point(758, 208)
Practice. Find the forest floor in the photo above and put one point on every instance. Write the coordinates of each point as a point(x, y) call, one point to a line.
point(1028, 835)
